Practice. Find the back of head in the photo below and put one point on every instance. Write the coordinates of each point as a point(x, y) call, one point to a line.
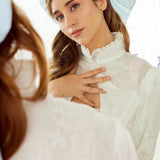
point(13, 122)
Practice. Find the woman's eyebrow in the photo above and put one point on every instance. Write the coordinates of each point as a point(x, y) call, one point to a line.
point(67, 3)
point(55, 12)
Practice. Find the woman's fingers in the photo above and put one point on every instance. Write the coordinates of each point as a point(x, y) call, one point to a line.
point(97, 80)
point(97, 109)
point(93, 90)
point(86, 101)
point(93, 72)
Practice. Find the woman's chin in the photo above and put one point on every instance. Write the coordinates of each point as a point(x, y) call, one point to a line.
point(81, 42)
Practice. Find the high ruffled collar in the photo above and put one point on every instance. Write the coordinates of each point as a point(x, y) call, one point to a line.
point(109, 53)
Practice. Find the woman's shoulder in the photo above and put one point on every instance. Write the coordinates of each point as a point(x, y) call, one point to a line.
point(138, 62)
point(58, 128)
point(57, 108)
point(147, 77)
point(140, 67)
point(150, 85)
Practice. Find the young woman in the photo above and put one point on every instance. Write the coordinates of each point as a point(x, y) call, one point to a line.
point(93, 35)
point(34, 126)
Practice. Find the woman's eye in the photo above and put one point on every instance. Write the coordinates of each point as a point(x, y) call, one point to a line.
point(74, 7)
point(59, 18)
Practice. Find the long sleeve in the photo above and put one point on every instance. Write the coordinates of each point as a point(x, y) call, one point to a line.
point(150, 105)
point(124, 146)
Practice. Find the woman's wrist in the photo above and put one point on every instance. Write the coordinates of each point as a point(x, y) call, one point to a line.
point(55, 88)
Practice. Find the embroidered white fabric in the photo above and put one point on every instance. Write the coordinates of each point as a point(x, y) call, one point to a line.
point(133, 94)
point(61, 130)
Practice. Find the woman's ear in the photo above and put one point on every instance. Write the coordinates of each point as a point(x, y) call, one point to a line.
point(101, 4)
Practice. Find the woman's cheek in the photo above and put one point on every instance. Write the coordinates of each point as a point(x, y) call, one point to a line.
point(61, 27)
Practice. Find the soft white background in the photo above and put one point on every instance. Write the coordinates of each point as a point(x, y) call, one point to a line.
point(143, 25)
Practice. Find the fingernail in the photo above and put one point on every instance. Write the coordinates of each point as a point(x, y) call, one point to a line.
point(92, 104)
point(103, 68)
point(102, 90)
point(108, 77)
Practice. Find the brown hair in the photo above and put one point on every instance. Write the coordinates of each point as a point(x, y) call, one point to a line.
point(13, 121)
point(66, 52)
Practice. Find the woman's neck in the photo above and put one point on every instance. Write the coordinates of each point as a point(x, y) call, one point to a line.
point(102, 38)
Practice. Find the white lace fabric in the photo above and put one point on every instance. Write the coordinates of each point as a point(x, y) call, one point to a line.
point(133, 94)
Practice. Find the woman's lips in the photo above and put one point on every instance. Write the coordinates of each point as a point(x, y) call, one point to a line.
point(76, 33)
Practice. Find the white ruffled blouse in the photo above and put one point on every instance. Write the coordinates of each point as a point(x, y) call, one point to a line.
point(61, 130)
point(133, 94)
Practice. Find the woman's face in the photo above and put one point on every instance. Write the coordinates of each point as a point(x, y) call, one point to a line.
point(80, 20)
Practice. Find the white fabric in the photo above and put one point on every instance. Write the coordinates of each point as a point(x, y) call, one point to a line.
point(123, 8)
point(157, 151)
point(61, 130)
point(133, 94)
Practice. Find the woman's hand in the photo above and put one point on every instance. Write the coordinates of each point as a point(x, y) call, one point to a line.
point(76, 85)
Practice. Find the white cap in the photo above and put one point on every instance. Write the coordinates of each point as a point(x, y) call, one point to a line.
point(122, 7)
point(5, 18)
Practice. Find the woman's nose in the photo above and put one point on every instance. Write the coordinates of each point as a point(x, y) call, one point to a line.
point(70, 21)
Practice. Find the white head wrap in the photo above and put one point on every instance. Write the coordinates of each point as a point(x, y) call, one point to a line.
point(44, 7)
point(5, 18)
point(122, 7)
